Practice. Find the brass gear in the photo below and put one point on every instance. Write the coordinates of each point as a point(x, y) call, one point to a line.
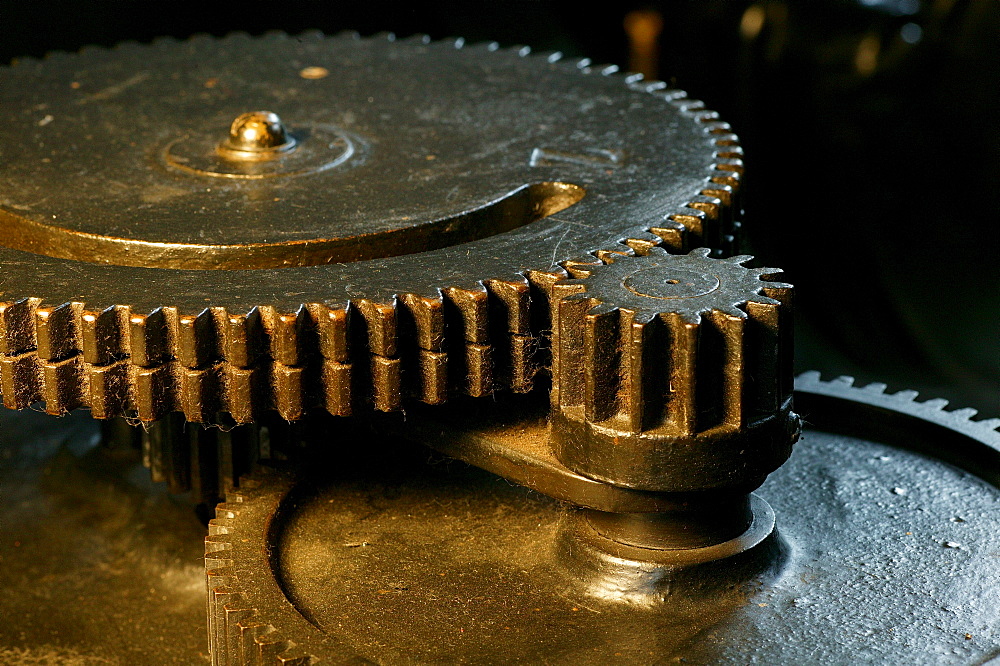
point(673, 372)
point(402, 245)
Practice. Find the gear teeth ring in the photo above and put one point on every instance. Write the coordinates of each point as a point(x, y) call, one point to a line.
point(238, 634)
point(662, 349)
point(904, 402)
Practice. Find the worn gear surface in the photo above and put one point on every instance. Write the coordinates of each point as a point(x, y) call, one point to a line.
point(408, 255)
point(921, 577)
point(673, 372)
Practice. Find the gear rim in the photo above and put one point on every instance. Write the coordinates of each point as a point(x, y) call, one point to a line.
point(233, 615)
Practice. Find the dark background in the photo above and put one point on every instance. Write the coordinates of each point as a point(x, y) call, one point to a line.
point(871, 128)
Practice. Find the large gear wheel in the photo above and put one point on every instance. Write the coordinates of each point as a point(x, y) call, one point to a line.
point(297, 570)
point(382, 235)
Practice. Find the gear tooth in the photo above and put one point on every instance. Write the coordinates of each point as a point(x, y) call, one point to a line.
point(276, 36)
point(554, 57)
point(379, 320)
point(56, 331)
point(511, 331)
point(582, 63)
point(688, 106)
point(843, 380)
point(336, 387)
point(425, 366)
point(740, 259)
point(875, 387)
point(693, 222)
point(643, 246)
point(314, 35)
point(108, 387)
point(149, 337)
point(386, 383)
point(153, 391)
point(568, 313)
point(651, 85)
point(102, 335)
point(581, 267)
point(200, 392)
point(601, 309)
point(62, 385)
point(713, 213)
point(288, 334)
point(458, 42)
point(606, 70)
point(523, 365)
point(244, 388)
point(471, 307)
point(244, 336)
point(289, 391)
point(511, 302)
point(905, 396)
point(966, 413)
point(20, 380)
point(478, 370)
point(600, 360)
point(432, 368)
point(672, 234)
point(197, 339)
point(935, 403)
point(17, 328)
point(633, 78)
point(331, 325)
point(426, 317)
point(809, 377)
point(989, 424)
point(200, 38)
point(735, 152)
point(608, 256)
point(700, 252)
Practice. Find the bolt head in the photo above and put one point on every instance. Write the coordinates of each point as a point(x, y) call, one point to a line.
point(257, 135)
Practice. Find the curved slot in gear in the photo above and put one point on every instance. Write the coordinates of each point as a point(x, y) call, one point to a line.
point(522, 206)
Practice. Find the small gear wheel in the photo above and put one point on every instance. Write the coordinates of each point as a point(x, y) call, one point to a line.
point(673, 373)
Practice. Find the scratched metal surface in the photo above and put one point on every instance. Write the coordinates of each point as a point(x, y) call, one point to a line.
point(448, 130)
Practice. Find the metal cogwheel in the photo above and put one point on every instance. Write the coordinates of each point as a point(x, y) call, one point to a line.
point(391, 230)
point(670, 372)
point(259, 611)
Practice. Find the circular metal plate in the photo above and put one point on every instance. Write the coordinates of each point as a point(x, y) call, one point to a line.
point(458, 151)
point(886, 555)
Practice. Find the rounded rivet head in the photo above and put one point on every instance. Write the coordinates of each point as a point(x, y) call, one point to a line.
point(256, 135)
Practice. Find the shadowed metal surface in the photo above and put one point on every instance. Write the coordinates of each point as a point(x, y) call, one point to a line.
point(889, 557)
